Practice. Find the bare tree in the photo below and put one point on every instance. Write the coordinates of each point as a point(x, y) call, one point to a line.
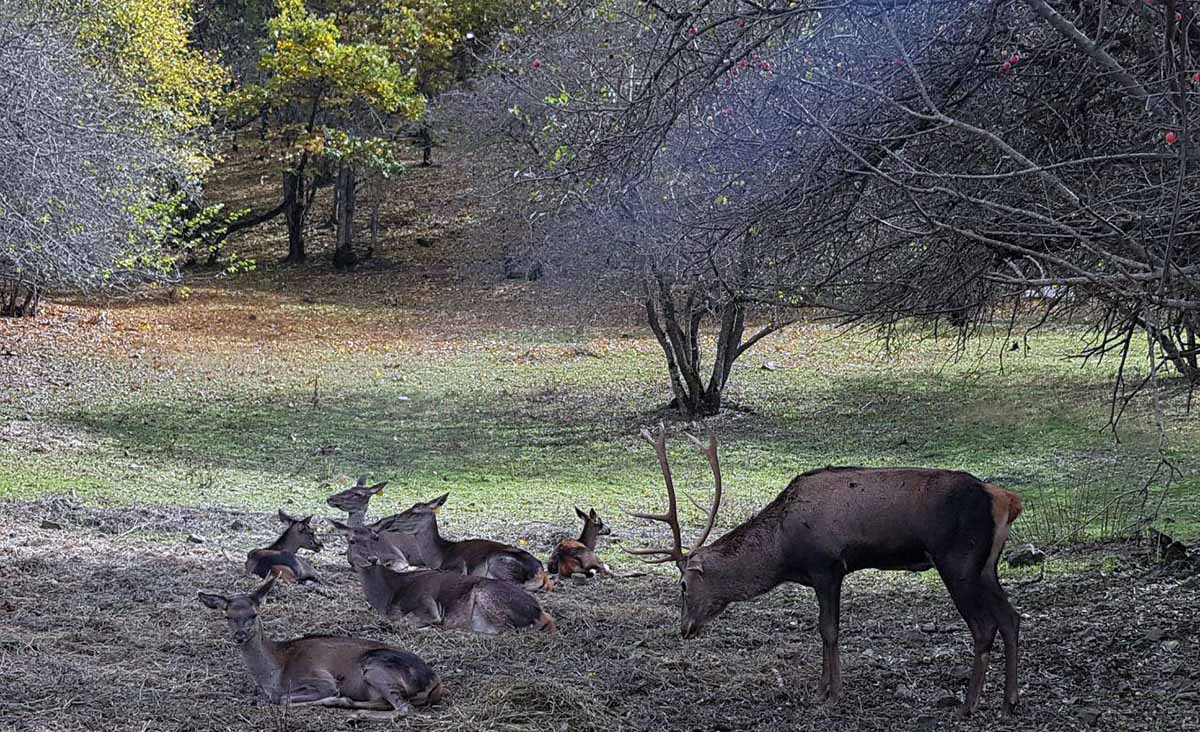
point(885, 160)
point(81, 185)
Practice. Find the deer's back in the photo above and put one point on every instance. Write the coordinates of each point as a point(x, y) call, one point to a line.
point(885, 518)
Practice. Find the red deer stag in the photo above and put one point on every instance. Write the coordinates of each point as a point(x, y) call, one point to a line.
point(572, 556)
point(281, 558)
point(431, 597)
point(329, 671)
point(828, 523)
point(478, 557)
point(354, 500)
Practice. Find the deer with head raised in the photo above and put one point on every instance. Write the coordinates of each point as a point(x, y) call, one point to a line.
point(432, 597)
point(281, 558)
point(354, 500)
point(478, 557)
point(330, 671)
point(831, 522)
point(572, 556)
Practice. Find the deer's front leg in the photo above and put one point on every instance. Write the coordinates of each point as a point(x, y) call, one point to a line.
point(829, 597)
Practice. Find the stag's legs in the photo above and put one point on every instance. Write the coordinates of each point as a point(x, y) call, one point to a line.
point(974, 601)
point(829, 597)
point(1009, 622)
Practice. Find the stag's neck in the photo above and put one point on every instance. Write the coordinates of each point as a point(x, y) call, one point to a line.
point(261, 657)
point(588, 537)
point(357, 517)
point(749, 560)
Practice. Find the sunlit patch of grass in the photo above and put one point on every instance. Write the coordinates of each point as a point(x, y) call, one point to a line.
point(216, 407)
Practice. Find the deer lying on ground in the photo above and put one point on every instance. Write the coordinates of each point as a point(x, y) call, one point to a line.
point(478, 557)
point(828, 523)
point(280, 559)
point(354, 500)
point(329, 671)
point(572, 556)
point(431, 597)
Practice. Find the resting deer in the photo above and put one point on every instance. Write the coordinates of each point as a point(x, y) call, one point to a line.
point(478, 557)
point(431, 597)
point(831, 522)
point(354, 500)
point(329, 671)
point(572, 556)
point(281, 558)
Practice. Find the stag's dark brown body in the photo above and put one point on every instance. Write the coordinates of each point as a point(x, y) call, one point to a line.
point(829, 523)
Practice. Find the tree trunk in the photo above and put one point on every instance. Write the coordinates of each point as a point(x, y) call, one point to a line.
point(693, 397)
point(19, 299)
point(293, 209)
point(343, 254)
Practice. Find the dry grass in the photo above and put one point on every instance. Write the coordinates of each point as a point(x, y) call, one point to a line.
point(100, 630)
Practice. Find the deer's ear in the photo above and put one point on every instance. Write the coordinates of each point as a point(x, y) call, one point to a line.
point(695, 564)
point(339, 526)
point(307, 519)
point(285, 518)
point(263, 590)
point(581, 514)
point(593, 515)
point(378, 487)
point(216, 602)
point(438, 502)
point(362, 482)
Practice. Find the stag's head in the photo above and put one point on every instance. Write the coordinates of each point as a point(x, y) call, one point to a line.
point(241, 611)
point(366, 546)
point(702, 597)
point(301, 529)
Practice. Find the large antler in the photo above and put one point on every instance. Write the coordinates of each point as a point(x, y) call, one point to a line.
point(671, 516)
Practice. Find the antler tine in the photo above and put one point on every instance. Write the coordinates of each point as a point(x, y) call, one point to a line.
point(711, 453)
point(671, 516)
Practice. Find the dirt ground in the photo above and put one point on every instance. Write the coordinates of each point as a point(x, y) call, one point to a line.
point(100, 629)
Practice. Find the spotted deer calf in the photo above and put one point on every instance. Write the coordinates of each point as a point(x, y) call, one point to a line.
point(425, 547)
point(431, 597)
point(281, 558)
point(379, 680)
point(828, 523)
point(579, 556)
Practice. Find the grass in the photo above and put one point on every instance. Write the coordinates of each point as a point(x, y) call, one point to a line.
point(525, 422)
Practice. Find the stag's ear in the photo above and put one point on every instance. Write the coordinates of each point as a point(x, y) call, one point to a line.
point(362, 482)
point(695, 564)
point(581, 514)
point(378, 488)
point(438, 502)
point(307, 519)
point(344, 528)
point(263, 590)
point(285, 518)
point(216, 602)
point(593, 515)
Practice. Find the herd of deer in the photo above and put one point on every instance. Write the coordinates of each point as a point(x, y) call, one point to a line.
point(826, 524)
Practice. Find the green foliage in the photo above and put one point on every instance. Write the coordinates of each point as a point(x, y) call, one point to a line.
point(144, 48)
